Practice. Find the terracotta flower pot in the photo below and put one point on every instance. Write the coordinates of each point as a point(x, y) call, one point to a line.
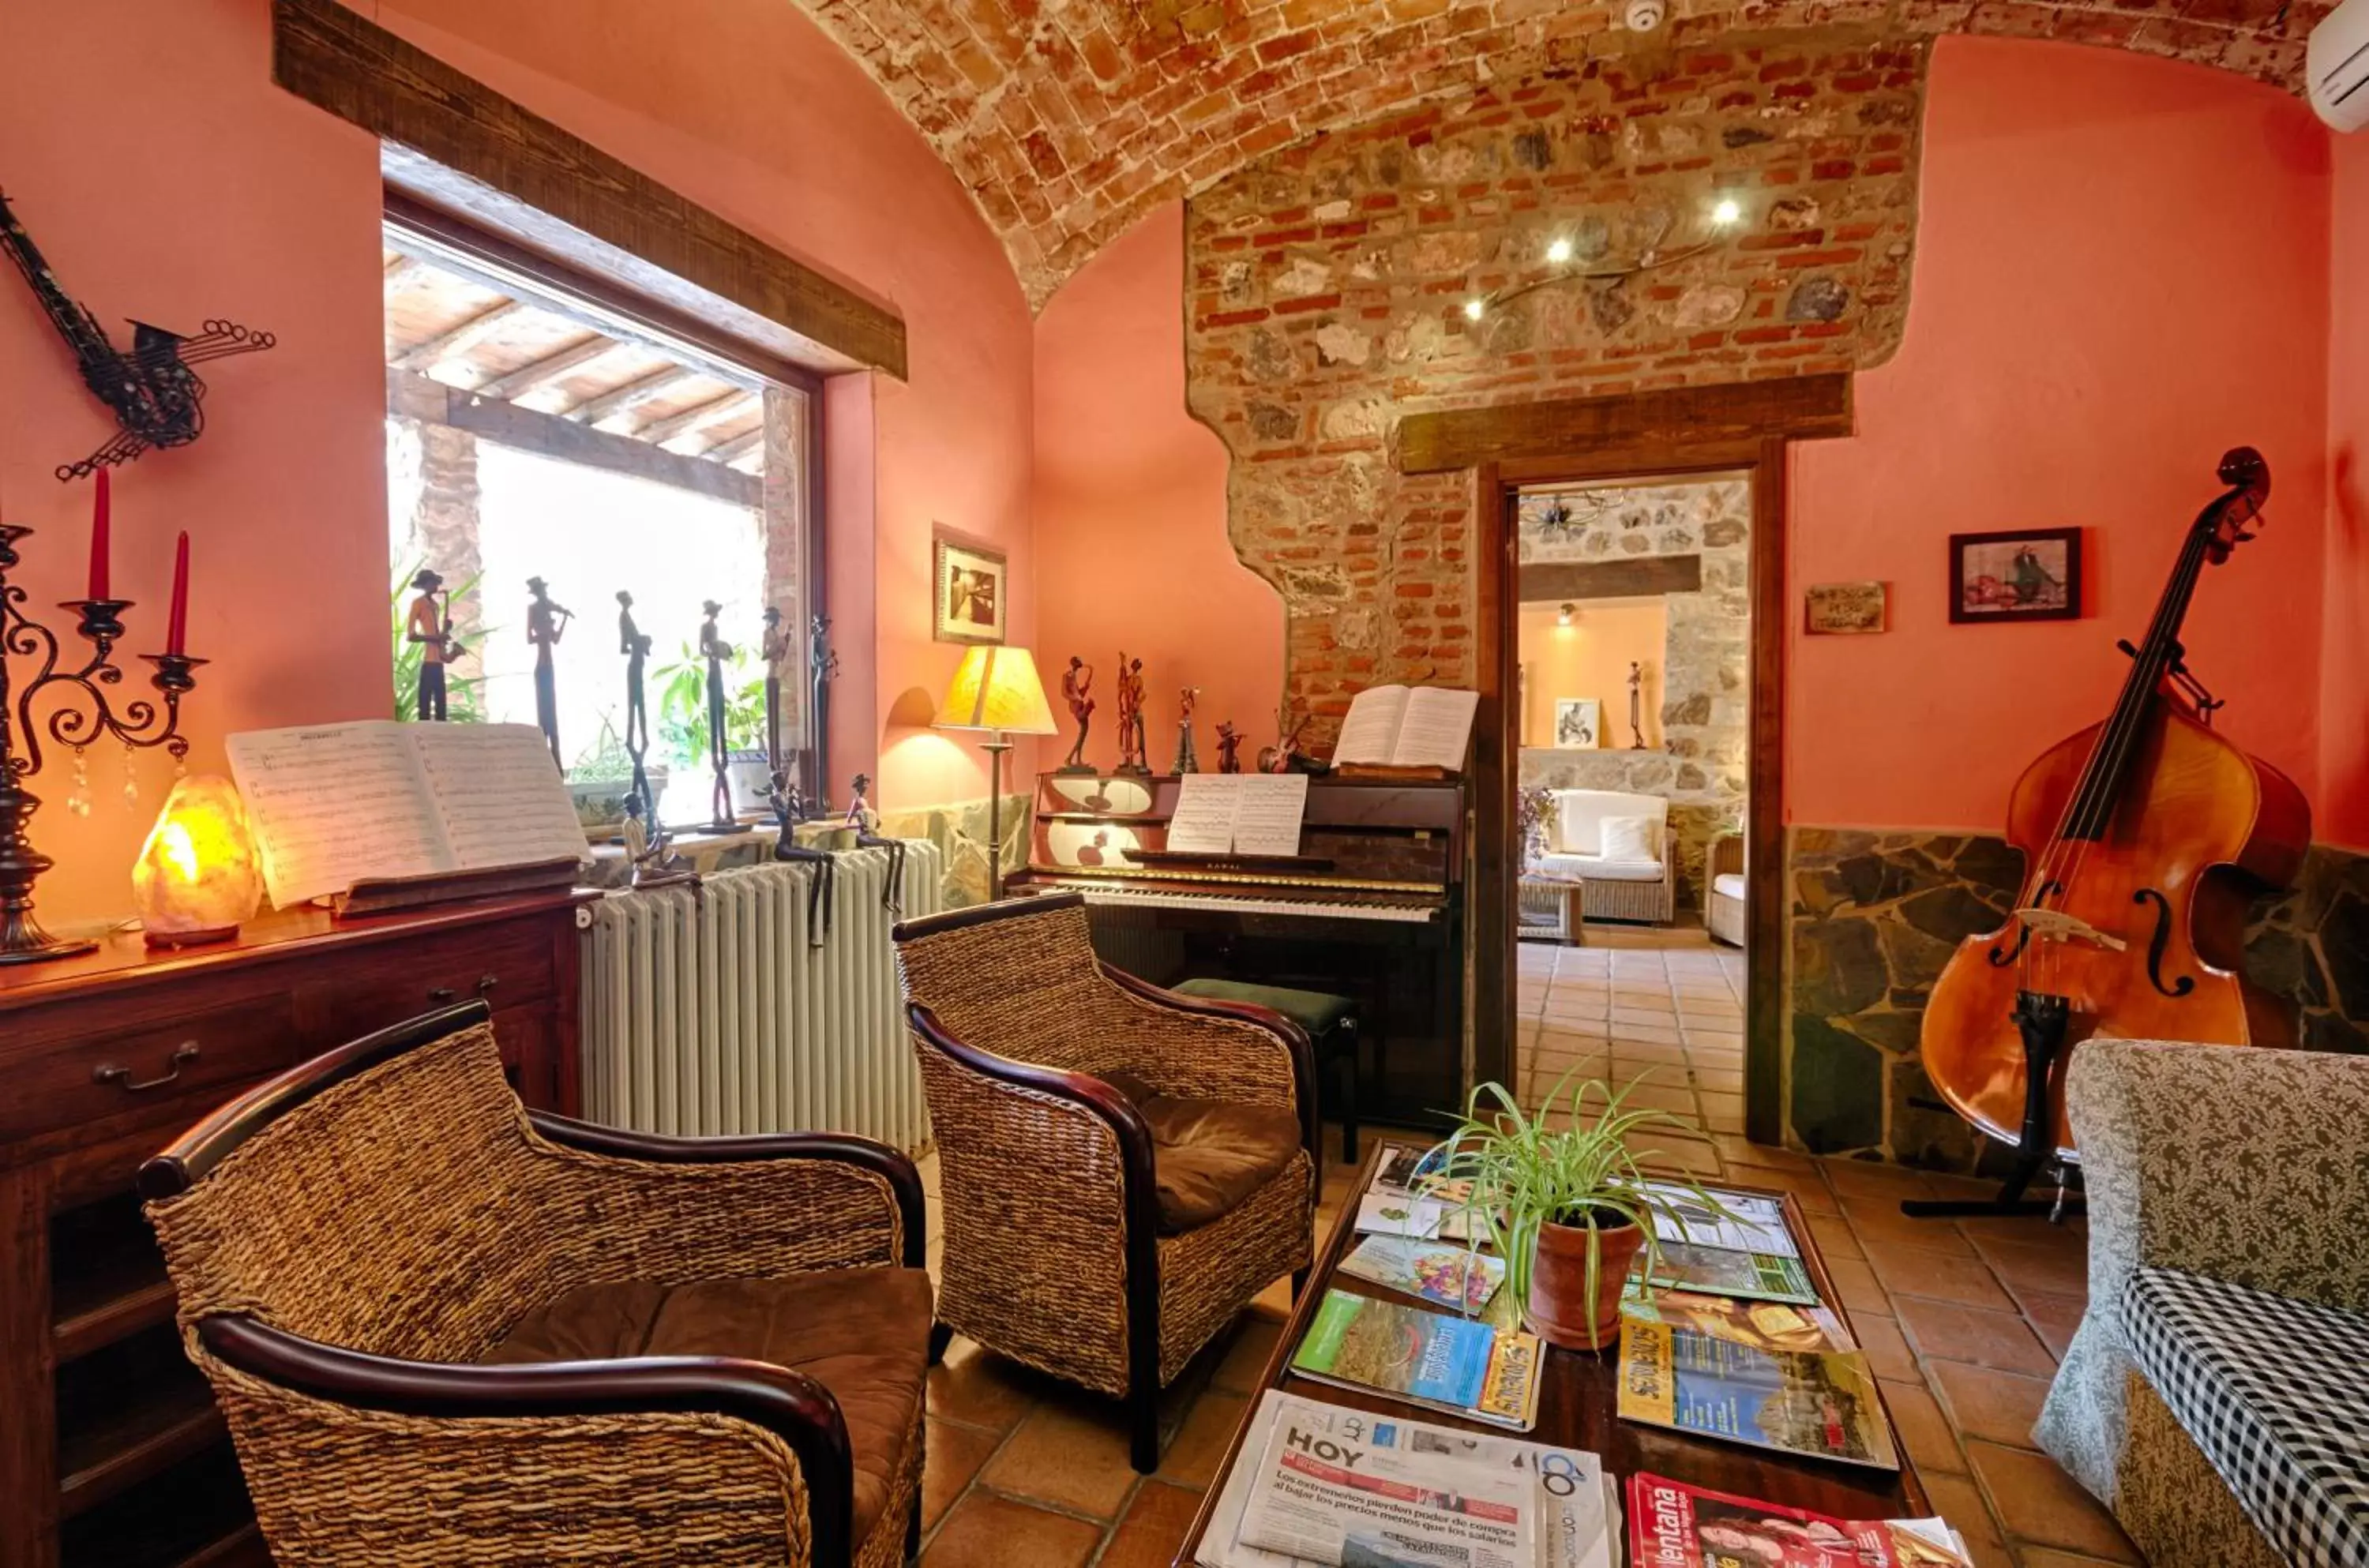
point(1561, 1309)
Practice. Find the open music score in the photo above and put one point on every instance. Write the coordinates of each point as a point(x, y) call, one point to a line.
point(340, 803)
point(1238, 814)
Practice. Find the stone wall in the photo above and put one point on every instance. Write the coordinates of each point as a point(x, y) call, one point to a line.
point(1326, 284)
point(1876, 915)
point(1703, 765)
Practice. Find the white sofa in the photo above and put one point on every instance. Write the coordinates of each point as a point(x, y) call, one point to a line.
point(1621, 884)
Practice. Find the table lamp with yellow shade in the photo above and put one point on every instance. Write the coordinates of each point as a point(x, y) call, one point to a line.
point(995, 689)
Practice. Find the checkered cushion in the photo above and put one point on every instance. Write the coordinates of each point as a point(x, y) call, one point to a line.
point(2272, 1389)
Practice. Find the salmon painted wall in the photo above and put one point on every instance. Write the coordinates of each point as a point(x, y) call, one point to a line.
point(163, 177)
point(2095, 318)
point(1590, 657)
point(2343, 798)
point(745, 107)
point(1130, 510)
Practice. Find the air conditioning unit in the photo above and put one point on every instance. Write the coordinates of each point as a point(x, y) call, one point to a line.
point(2336, 66)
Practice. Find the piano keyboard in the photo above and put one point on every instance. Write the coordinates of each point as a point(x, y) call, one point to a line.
point(1321, 909)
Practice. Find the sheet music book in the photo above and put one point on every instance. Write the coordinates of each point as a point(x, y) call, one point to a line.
point(1408, 727)
point(337, 804)
point(1252, 814)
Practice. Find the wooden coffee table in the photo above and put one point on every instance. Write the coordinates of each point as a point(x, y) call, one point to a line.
point(1577, 1400)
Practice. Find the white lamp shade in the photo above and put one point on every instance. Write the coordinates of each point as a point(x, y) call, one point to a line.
point(995, 687)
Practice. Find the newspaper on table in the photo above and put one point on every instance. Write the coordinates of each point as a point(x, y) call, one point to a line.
point(1752, 1223)
point(1572, 1502)
point(1341, 1501)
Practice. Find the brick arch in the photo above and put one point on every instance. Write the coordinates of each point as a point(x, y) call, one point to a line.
point(1068, 120)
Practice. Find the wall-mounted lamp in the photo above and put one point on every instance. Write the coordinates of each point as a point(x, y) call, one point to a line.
point(1721, 219)
point(1566, 615)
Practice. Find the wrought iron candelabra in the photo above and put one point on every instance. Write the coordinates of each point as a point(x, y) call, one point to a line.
point(82, 713)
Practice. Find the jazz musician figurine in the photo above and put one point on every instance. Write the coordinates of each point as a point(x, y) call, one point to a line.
point(1636, 706)
point(866, 823)
point(789, 805)
point(1229, 748)
point(1283, 757)
point(634, 644)
point(822, 667)
point(649, 850)
point(1189, 761)
point(716, 650)
point(1078, 691)
point(429, 623)
point(771, 652)
point(1131, 717)
point(546, 624)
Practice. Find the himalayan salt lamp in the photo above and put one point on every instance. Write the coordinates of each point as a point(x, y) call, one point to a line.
point(197, 875)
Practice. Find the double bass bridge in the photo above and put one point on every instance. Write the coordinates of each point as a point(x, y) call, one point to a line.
point(2058, 925)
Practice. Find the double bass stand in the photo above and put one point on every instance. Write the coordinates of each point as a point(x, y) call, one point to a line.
point(2041, 1018)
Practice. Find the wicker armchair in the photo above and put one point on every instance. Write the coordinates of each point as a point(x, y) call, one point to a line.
point(364, 1247)
point(1054, 1083)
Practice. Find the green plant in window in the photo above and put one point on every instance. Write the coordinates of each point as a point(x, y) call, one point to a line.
point(682, 704)
point(464, 701)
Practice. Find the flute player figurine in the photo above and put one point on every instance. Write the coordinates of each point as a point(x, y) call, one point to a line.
point(634, 644)
point(546, 624)
point(716, 650)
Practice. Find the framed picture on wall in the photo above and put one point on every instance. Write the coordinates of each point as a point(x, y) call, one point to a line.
point(2028, 574)
point(972, 593)
point(1579, 722)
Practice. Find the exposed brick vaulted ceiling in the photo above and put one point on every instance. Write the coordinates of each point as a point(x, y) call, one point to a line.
point(1069, 119)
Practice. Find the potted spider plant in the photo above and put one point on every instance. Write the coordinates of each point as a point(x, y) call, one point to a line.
point(1564, 1200)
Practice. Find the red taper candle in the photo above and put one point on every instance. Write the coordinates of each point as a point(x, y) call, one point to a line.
point(99, 541)
point(177, 629)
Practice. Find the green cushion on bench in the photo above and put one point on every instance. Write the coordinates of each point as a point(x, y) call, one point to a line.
point(1313, 1010)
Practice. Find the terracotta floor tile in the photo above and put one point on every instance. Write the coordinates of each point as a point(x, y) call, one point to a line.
point(1246, 1357)
point(1853, 1177)
point(2039, 1503)
point(2058, 1265)
point(989, 1531)
point(1944, 1331)
point(1856, 1284)
point(2054, 1318)
point(1922, 1431)
point(951, 1457)
point(1878, 1218)
point(1154, 1530)
point(1957, 1499)
point(1070, 1454)
point(1809, 1189)
point(1998, 1407)
point(1835, 1239)
point(974, 1386)
point(1720, 1080)
point(1886, 1347)
point(1194, 1455)
point(1941, 1276)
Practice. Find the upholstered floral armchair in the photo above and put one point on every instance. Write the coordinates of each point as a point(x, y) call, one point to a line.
point(1121, 1169)
point(447, 1330)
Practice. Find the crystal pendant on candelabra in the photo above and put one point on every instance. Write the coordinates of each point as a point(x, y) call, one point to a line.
point(131, 781)
point(78, 799)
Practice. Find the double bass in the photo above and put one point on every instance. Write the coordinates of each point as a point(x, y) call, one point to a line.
point(2145, 838)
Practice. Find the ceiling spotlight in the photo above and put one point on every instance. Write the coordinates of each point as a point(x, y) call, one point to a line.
point(1726, 211)
point(1565, 616)
point(1473, 309)
point(1559, 252)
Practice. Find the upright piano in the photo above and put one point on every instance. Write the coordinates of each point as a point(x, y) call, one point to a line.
point(1372, 909)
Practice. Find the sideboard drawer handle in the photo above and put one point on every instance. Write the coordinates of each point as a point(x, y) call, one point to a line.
point(485, 984)
point(184, 1054)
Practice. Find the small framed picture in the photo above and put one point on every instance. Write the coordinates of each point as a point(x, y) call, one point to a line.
point(973, 597)
point(1578, 722)
point(1844, 608)
point(2029, 573)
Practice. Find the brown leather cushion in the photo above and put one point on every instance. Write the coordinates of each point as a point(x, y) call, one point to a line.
point(1209, 1155)
point(861, 1333)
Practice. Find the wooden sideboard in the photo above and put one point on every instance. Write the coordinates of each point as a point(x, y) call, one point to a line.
point(111, 1451)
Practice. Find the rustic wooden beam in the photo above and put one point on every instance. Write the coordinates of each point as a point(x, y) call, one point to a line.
point(414, 396)
point(1632, 576)
point(632, 394)
point(456, 341)
point(1794, 407)
point(550, 368)
point(732, 449)
point(335, 59)
point(696, 418)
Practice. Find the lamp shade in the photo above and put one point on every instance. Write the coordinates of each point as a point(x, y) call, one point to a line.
point(197, 877)
point(995, 687)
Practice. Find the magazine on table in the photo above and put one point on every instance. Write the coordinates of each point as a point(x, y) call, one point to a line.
point(1752, 1224)
point(1464, 1367)
point(1577, 1503)
point(1764, 1326)
point(1671, 1525)
point(1717, 1271)
point(1408, 1197)
point(1822, 1403)
point(1446, 1272)
point(1329, 1498)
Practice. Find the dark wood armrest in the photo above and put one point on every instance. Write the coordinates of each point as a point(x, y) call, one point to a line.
point(1295, 1040)
point(791, 1406)
point(864, 1154)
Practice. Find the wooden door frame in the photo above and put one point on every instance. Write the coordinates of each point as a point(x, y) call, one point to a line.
point(1745, 428)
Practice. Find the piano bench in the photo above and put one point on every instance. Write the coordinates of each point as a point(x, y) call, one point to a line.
point(1330, 1023)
